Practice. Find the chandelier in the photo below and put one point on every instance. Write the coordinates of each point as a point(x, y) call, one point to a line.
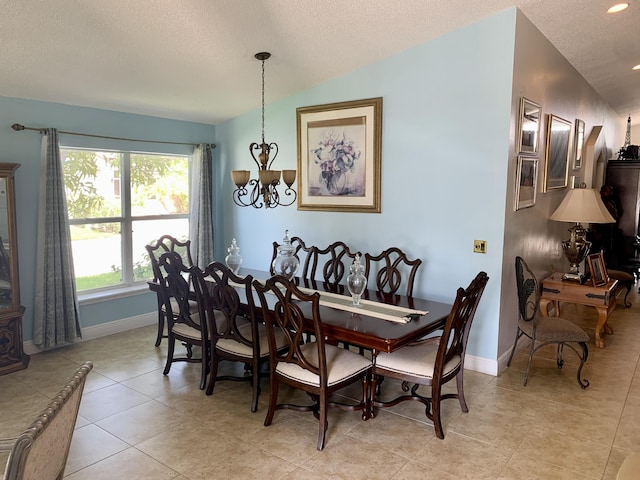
point(263, 191)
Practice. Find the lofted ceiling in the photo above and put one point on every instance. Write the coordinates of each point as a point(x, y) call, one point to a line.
point(194, 59)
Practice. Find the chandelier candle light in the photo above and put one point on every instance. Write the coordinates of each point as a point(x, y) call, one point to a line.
point(263, 191)
point(580, 205)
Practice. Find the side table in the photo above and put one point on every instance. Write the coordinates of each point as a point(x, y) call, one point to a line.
point(556, 290)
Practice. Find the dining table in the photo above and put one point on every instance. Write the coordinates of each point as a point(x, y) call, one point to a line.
point(367, 327)
point(362, 326)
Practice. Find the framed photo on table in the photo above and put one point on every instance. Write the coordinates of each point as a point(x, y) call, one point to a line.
point(339, 156)
point(557, 153)
point(526, 182)
point(599, 275)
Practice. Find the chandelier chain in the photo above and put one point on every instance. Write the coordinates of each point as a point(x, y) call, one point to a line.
point(262, 101)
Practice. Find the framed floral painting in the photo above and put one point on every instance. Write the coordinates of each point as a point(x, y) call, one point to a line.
point(339, 156)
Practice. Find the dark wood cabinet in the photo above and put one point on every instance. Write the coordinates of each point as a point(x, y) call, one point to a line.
point(12, 356)
point(624, 177)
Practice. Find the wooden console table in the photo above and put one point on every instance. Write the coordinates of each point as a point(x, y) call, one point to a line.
point(556, 290)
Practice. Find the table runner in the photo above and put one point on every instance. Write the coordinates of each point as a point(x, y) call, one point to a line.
point(371, 308)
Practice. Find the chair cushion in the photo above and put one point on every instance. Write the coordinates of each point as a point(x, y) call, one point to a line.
point(186, 331)
point(415, 360)
point(554, 329)
point(234, 347)
point(175, 308)
point(341, 365)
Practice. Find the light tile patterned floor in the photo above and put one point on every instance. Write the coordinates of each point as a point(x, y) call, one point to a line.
point(136, 423)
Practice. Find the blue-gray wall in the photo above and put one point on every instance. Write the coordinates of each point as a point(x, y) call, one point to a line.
point(24, 148)
point(445, 140)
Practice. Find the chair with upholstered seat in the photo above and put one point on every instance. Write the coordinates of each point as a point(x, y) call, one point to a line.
point(40, 452)
point(329, 264)
point(235, 333)
point(165, 244)
point(183, 325)
point(300, 251)
point(434, 361)
point(625, 280)
point(391, 269)
point(314, 367)
point(542, 330)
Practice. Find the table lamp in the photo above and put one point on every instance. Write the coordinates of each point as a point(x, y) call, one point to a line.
point(580, 205)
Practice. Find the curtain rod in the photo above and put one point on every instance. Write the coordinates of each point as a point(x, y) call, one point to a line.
point(17, 127)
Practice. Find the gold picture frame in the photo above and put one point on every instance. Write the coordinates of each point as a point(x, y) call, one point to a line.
point(339, 156)
point(556, 172)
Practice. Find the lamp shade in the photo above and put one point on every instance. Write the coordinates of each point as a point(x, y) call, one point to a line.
point(582, 205)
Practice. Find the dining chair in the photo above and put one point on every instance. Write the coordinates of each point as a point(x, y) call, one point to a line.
point(541, 330)
point(315, 367)
point(391, 269)
point(164, 244)
point(434, 361)
point(40, 452)
point(184, 325)
point(300, 252)
point(235, 331)
point(328, 264)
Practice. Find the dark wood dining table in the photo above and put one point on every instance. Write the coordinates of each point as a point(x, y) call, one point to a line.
point(369, 332)
point(366, 331)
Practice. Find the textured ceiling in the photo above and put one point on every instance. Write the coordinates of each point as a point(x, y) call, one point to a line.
point(193, 59)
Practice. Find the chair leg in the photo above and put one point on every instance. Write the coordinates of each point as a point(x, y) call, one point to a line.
point(171, 341)
point(160, 325)
point(435, 409)
point(559, 359)
point(324, 406)
point(255, 382)
point(515, 344)
point(460, 386)
point(205, 366)
point(213, 373)
point(273, 399)
point(526, 374)
point(583, 358)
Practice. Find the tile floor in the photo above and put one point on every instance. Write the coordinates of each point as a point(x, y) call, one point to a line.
point(135, 423)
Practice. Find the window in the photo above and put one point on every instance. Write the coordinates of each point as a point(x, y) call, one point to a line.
point(119, 202)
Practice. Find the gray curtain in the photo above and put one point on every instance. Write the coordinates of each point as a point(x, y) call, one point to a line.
point(56, 318)
point(201, 205)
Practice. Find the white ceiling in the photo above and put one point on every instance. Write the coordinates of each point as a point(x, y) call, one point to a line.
point(194, 59)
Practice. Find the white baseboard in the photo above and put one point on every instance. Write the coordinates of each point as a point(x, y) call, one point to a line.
point(481, 365)
point(104, 329)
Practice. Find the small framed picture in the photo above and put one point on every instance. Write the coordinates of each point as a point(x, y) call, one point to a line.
point(557, 153)
point(599, 275)
point(528, 127)
point(526, 182)
point(578, 141)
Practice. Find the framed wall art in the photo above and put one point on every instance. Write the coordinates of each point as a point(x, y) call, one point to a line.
point(557, 153)
point(578, 141)
point(529, 127)
point(599, 275)
point(339, 156)
point(526, 182)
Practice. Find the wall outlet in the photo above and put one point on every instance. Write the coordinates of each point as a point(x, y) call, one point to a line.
point(480, 246)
